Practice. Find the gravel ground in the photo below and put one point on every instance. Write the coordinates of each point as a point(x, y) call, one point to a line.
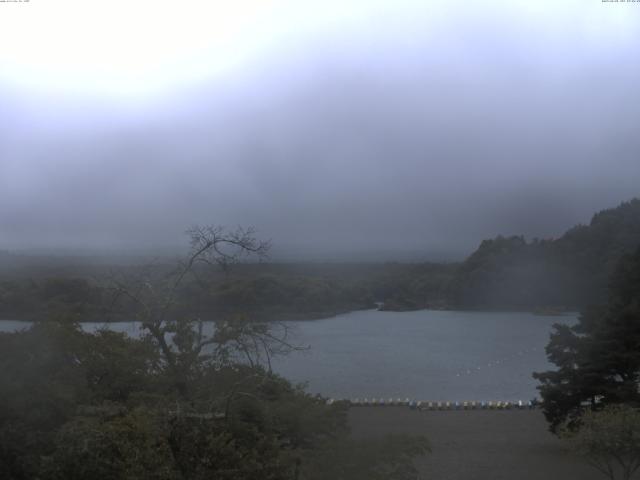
point(478, 444)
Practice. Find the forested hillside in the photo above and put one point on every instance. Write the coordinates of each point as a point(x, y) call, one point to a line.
point(549, 275)
point(566, 273)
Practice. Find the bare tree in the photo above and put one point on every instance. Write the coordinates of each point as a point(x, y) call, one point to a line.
point(257, 343)
point(153, 293)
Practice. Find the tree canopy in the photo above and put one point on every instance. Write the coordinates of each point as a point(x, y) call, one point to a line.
point(570, 272)
point(609, 440)
point(177, 402)
point(598, 359)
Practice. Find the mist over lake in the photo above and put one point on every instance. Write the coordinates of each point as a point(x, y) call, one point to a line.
point(231, 231)
point(426, 354)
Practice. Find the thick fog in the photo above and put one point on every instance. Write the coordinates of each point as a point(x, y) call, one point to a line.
point(388, 130)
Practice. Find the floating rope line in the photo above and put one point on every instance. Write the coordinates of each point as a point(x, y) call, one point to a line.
point(494, 363)
point(440, 405)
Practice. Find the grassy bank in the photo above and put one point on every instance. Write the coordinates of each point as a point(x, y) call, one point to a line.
point(477, 444)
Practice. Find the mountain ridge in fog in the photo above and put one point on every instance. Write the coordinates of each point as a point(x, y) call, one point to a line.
point(291, 253)
point(381, 139)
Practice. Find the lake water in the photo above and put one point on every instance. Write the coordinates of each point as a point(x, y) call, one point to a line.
point(428, 355)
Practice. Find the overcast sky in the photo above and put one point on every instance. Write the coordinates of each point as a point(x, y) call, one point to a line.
point(339, 129)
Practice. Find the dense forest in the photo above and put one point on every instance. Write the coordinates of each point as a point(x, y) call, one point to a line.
point(547, 276)
point(178, 402)
point(263, 291)
point(570, 272)
point(597, 359)
point(75, 405)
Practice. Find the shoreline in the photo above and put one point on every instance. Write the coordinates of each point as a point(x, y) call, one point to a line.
point(308, 316)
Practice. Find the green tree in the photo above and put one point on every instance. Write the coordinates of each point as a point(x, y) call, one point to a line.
point(598, 359)
point(609, 440)
point(177, 403)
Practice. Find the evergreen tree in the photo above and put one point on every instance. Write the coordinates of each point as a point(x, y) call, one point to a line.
point(598, 359)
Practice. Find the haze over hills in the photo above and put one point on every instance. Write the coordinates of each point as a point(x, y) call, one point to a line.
point(569, 272)
point(224, 222)
point(374, 134)
point(288, 251)
point(566, 273)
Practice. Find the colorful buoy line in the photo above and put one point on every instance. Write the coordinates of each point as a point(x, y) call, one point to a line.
point(447, 405)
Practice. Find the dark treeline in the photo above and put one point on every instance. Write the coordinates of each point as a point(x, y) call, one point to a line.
point(262, 291)
point(75, 405)
point(178, 402)
point(549, 275)
point(598, 358)
point(570, 272)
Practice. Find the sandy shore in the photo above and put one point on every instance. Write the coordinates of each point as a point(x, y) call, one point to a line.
point(478, 445)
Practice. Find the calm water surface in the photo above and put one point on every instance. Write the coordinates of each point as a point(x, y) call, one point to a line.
point(430, 355)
